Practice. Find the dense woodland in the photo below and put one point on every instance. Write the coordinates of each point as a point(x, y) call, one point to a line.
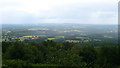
point(50, 53)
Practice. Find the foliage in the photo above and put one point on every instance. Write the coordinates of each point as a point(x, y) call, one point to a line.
point(50, 53)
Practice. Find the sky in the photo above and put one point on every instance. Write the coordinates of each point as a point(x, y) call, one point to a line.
point(58, 11)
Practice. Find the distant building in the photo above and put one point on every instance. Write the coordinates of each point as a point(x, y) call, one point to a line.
point(72, 41)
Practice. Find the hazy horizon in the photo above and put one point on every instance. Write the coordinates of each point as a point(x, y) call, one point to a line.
point(50, 23)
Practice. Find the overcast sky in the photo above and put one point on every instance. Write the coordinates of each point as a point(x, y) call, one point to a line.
point(59, 11)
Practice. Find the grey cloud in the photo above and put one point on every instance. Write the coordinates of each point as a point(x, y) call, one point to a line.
point(69, 13)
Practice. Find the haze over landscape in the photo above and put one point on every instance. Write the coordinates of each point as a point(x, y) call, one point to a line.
point(59, 33)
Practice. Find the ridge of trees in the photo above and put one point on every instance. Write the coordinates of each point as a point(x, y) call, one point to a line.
point(50, 53)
